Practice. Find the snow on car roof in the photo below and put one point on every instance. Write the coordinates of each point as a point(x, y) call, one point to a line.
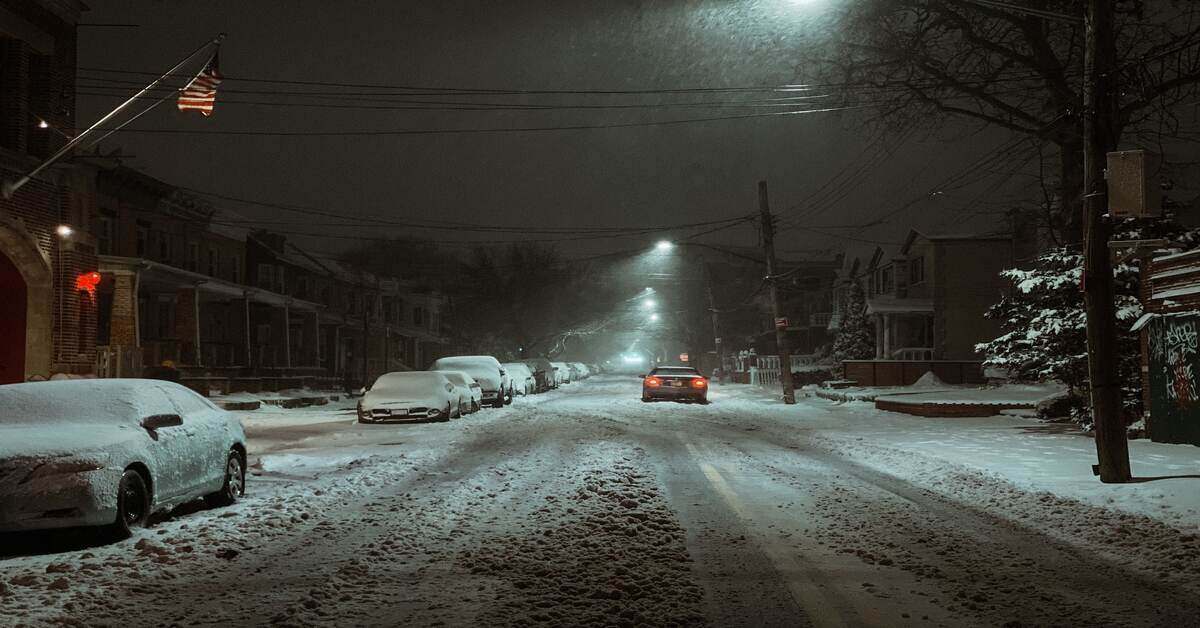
point(82, 401)
point(458, 377)
point(468, 359)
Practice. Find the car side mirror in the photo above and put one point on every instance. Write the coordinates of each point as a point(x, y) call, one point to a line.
point(155, 422)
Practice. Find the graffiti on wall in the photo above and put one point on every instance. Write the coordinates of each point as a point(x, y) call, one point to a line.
point(1173, 347)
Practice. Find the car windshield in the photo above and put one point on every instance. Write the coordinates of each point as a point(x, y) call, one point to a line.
point(676, 371)
point(416, 382)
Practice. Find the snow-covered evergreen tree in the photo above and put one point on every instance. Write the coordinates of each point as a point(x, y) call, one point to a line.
point(1045, 327)
point(856, 336)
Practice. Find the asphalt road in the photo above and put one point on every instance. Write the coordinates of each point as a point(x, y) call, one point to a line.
point(586, 506)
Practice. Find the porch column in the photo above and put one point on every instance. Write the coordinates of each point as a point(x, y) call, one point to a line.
point(316, 339)
point(122, 326)
point(887, 337)
point(338, 352)
point(287, 336)
point(246, 335)
point(196, 327)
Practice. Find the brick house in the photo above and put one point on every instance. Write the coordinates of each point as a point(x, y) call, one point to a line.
point(47, 256)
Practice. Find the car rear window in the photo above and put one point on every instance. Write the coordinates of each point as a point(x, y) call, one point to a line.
point(675, 370)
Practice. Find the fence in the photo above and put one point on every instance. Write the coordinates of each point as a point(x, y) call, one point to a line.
point(118, 362)
point(763, 370)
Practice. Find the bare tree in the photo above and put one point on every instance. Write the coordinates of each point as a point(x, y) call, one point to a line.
point(1016, 66)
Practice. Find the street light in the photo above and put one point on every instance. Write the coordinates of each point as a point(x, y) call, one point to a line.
point(654, 317)
point(664, 245)
point(64, 231)
point(649, 303)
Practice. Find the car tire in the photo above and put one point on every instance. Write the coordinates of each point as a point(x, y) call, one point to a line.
point(508, 397)
point(646, 400)
point(499, 402)
point(234, 486)
point(474, 406)
point(446, 417)
point(133, 504)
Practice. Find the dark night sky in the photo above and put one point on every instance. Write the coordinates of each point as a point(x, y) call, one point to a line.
point(611, 177)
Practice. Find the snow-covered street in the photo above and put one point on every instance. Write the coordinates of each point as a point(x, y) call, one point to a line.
point(585, 506)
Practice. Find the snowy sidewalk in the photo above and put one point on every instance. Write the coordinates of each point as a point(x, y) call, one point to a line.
point(1030, 455)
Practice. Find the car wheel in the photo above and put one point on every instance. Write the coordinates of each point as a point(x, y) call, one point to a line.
point(508, 397)
point(474, 406)
point(446, 417)
point(646, 399)
point(133, 504)
point(499, 402)
point(235, 482)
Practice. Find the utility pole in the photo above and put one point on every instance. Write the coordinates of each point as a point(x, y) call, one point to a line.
point(1099, 133)
point(712, 309)
point(781, 343)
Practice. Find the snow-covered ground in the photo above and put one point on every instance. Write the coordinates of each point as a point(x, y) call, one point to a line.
point(585, 506)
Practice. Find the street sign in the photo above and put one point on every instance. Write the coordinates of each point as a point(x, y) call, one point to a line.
point(683, 357)
point(781, 323)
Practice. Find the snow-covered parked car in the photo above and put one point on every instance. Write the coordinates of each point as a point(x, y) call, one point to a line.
point(471, 395)
point(543, 373)
point(562, 372)
point(521, 376)
point(409, 396)
point(112, 452)
point(492, 378)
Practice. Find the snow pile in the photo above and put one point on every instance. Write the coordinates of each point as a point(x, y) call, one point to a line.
point(929, 380)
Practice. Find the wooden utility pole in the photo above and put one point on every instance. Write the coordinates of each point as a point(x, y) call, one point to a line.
point(781, 342)
point(712, 310)
point(1099, 134)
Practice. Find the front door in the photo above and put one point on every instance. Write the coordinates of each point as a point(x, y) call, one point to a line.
point(12, 322)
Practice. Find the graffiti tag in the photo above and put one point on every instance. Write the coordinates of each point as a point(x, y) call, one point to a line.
point(1173, 345)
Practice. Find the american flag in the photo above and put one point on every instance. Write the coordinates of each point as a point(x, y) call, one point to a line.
point(201, 93)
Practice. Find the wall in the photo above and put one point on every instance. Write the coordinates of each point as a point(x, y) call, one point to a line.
point(967, 283)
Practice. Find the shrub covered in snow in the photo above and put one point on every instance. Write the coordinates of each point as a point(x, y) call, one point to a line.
point(856, 337)
point(1045, 327)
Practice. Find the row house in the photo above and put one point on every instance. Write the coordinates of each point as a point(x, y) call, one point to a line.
point(188, 287)
point(47, 257)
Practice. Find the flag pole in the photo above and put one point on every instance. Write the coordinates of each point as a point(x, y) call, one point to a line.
point(10, 187)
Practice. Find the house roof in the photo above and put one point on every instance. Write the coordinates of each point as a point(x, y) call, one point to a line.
point(913, 234)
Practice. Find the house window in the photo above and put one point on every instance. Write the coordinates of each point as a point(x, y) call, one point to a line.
point(143, 235)
point(916, 270)
point(212, 263)
point(235, 269)
point(266, 276)
point(885, 280)
point(104, 233)
point(164, 246)
point(418, 316)
point(281, 285)
point(193, 263)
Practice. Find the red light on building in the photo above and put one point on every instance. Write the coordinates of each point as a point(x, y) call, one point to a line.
point(88, 282)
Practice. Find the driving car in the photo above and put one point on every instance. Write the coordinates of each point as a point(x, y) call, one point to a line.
point(492, 378)
point(112, 452)
point(521, 378)
point(409, 396)
point(471, 395)
point(680, 383)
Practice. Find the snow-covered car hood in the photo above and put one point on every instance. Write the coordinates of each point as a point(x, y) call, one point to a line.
point(63, 439)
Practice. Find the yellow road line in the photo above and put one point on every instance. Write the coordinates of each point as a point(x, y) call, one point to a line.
point(804, 591)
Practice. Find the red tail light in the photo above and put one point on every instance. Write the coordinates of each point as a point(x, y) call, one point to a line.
point(653, 382)
point(699, 382)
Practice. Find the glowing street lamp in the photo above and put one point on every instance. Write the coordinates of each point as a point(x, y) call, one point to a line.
point(664, 246)
point(64, 231)
point(649, 304)
point(654, 317)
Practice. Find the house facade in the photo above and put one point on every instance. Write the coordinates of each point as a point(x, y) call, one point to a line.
point(47, 256)
point(928, 297)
